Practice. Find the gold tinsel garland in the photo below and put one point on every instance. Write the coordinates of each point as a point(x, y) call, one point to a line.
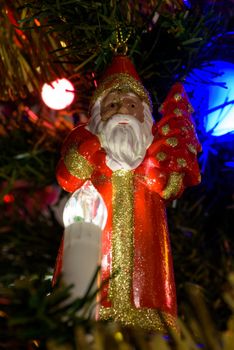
point(25, 55)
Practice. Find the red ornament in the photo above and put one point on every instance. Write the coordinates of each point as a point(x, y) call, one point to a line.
point(136, 267)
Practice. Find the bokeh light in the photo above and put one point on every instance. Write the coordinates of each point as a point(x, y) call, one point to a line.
point(8, 198)
point(211, 91)
point(59, 94)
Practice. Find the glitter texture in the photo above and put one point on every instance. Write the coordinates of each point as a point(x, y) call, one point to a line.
point(178, 112)
point(181, 162)
point(77, 165)
point(177, 96)
point(184, 128)
point(192, 149)
point(122, 309)
point(144, 318)
point(122, 239)
point(165, 129)
point(190, 108)
point(124, 83)
point(172, 141)
point(161, 156)
point(173, 186)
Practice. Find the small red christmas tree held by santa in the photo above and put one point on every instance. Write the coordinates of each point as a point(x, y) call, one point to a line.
point(121, 168)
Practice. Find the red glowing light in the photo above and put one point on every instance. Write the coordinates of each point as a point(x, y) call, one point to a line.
point(38, 24)
point(94, 81)
point(59, 94)
point(8, 198)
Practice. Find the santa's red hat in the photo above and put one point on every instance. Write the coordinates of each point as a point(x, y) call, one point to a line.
point(122, 76)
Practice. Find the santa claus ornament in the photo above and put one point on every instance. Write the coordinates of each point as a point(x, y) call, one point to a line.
point(121, 169)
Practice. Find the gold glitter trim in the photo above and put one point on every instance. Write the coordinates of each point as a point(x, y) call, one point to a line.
point(172, 141)
point(190, 108)
point(124, 83)
point(165, 129)
point(144, 318)
point(173, 186)
point(77, 165)
point(184, 128)
point(192, 149)
point(161, 156)
point(122, 309)
point(177, 96)
point(178, 112)
point(181, 162)
point(122, 239)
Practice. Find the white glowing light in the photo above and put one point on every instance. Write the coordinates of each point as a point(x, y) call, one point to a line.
point(59, 94)
point(85, 205)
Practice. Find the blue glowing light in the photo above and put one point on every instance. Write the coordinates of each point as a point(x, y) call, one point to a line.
point(229, 164)
point(211, 91)
point(187, 3)
point(166, 337)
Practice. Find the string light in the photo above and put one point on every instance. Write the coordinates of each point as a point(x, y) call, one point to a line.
point(8, 198)
point(59, 94)
point(212, 96)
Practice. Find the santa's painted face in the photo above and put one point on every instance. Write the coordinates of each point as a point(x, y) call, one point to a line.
point(122, 103)
point(124, 134)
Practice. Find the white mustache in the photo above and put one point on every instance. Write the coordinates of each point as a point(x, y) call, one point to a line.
point(122, 118)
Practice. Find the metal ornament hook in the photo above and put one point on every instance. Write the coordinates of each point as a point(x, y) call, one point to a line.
point(120, 47)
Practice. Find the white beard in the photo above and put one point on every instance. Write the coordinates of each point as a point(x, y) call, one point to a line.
point(125, 144)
